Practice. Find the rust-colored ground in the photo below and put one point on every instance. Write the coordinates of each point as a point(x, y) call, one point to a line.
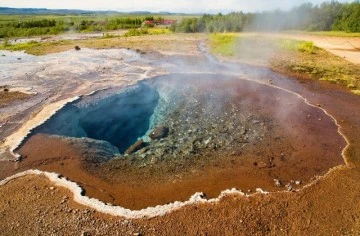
point(302, 143)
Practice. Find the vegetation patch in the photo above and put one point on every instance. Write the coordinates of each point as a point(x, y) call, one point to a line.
point(328, 33)
point(296, 46)
point(37, 48)
point(147, 31)
point(254, 45)
point(19, 46)
point(223, 44)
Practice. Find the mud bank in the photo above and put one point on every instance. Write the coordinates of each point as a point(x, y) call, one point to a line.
point(197, 198)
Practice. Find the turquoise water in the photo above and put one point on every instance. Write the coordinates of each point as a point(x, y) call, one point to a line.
point(119, 119)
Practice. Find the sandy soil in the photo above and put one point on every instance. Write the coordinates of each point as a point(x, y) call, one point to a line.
point(345, 47)
point(331, 206)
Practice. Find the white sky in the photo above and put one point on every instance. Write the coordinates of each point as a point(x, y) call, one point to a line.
point(186, 6)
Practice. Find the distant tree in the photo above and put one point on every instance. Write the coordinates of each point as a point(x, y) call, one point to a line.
point(350, 18)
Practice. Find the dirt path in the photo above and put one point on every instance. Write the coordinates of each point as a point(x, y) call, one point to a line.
point(346, 47)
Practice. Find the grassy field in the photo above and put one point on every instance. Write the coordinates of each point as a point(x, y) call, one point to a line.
point(289, 56)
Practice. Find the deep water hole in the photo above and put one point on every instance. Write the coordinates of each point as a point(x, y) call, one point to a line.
point(119, 118)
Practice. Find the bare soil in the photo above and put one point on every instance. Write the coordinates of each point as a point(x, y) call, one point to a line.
point(345, 47)
point(7, 97)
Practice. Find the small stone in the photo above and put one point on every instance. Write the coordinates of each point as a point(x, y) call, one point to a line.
point(52, 188)
point(77, 48)
point(135, 147)
point(277, 183)
point(298, 182)
point(289, 187)
point(159, 132)
point(207, 141)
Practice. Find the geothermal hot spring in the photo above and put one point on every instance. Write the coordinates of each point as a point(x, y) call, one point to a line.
point(163, 139)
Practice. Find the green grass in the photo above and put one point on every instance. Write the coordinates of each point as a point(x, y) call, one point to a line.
point(136, 32)
point(147, 31)
point(155, 31)
point(19, 46)
point(295, 45)
point(336, 34)
point(326, 33)
point(231, 44)
point(36, 48)
point(109, 36)
point(223, 44)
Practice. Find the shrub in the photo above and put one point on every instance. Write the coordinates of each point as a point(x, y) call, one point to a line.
point(136, 32)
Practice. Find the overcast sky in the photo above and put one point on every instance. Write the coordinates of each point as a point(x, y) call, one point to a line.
point(186, 6)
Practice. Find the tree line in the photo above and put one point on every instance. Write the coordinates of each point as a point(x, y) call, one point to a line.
point(324, 17)
point(52, 27)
